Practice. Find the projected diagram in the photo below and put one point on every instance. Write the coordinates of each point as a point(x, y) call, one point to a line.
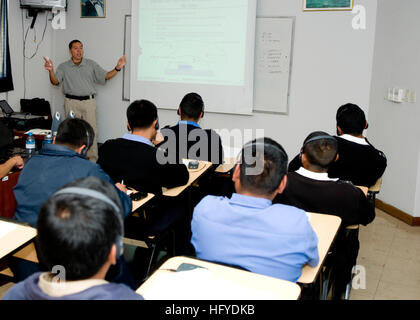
point(204, 64)
point(192, 45)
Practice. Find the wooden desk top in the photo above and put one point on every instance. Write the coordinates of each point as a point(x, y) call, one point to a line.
point(138, 204)
point(364, 189)
point(17, 236)
point(38, 135)
point(24, 234)
point(194, 175)
point(377, 186)
point(221, 283)
point(29, 251)
point(228, 164)
point(325, 227)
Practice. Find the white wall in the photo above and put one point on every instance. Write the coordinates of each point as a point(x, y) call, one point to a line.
point(395, 127)
point(37, 84)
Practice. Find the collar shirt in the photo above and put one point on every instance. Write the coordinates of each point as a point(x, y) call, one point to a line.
point(191, 123)
point(137, 138)
point(354, 139)
point(315, 175)
point(80, 80)
point(250, 232)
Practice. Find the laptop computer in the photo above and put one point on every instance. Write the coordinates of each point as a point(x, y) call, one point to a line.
point(9, 113)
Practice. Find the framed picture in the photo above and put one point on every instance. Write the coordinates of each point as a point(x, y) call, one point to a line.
point(327, 5)
point(92, 9)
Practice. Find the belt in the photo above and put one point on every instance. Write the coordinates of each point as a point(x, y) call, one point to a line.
point(69, 96)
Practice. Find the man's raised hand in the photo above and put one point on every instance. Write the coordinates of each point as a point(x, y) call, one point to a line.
point(48, 64)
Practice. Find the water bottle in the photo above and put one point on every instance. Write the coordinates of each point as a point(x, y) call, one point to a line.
point(30, 145)
point(47, 139)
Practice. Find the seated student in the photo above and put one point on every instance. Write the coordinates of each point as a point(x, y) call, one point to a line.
point(358, 161)
point(249, 231)
point(46, 172)
point(80, 229)
point(6, 141)
point(186, 140)
point(15, 161)
point(57, 164)
point(310, 189)
point(134, 159)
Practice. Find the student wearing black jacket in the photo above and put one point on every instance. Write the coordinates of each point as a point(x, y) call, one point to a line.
point(134, 160)
point(358, 161)
point(310, 189)
point(187, 139)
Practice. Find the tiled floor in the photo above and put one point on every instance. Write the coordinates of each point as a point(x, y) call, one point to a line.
point(388, 263)
point(390, 256)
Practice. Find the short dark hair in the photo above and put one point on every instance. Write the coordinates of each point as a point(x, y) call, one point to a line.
point(74, 41)
point(275, 161)
point(78, 231)
point(351, 119)
point(192, 105)
point(75, 132)
point(141, 114)
point(320, 152)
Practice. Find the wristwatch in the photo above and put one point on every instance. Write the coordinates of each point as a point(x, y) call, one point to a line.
point(118, 70)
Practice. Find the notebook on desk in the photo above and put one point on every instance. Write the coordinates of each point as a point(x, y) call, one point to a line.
point(9, 113)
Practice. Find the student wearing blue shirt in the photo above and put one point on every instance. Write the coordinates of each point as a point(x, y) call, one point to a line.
point(56, 165)
point(249, 231)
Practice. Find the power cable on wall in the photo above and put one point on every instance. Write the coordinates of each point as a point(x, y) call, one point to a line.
point(24, 40)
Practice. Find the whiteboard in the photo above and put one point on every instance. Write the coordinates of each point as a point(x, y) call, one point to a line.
point(273, 63)
point(127, 52)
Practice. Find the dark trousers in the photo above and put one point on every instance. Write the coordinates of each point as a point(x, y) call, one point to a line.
point(343, 258)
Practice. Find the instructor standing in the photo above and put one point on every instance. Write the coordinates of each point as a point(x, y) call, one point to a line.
point(79, 76)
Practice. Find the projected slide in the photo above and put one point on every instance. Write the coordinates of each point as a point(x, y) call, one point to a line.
point(192, 41)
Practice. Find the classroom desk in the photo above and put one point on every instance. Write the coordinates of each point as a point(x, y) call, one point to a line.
point(227, 165)
point(377, 186)
point(38, 134)
point(364, 189)
point(17, 236)
point(137, 204)
point(29, 252)
point(194, 175)
point(325, 227)
point(220, 283)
